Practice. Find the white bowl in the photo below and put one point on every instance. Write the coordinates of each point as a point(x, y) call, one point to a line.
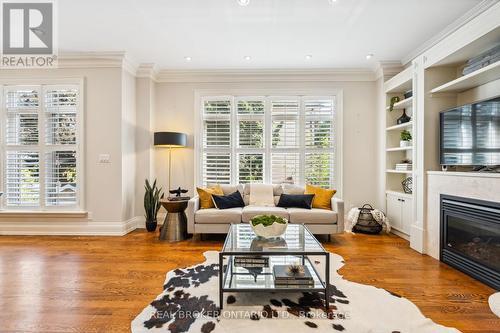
point(272, 231)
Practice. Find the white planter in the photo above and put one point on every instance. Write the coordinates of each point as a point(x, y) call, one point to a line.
point(405, 143)
point(272, 231)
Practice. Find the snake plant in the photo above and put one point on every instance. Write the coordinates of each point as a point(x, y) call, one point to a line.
point(152, 198)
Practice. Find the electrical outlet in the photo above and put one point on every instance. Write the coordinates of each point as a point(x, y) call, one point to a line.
point(104, 158)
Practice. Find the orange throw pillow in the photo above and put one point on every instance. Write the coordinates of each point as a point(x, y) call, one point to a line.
point(322, 197)
point(205, 195)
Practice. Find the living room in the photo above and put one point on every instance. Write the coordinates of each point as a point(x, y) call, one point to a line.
point(338, 160)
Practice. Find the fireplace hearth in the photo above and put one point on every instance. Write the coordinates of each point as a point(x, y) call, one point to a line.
point(470, 237)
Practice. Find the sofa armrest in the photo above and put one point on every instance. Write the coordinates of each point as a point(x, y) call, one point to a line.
point(338, 207)
point(193, 206)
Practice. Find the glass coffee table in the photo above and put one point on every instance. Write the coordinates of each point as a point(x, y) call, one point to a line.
point(293, 248)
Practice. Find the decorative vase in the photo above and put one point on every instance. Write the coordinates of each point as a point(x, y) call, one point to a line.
point(272, 231)
point(404, 118)
point(403, 143)
point(151, 225)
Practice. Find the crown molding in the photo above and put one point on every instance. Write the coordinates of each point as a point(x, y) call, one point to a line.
point(480, 8)
point(387, 69)
point(97, 60)
point(147, 70)
point(265, 75)
point(150, 71)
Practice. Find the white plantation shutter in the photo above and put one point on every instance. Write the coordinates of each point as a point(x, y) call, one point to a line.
point(22, 178)
point(285, 168)
point(22, 128)
point(216, 168)
point(41, 146)
point(61, 114)
point(22, 107)
point(217, 131)
point(60, 179)
point(250, 133)
point(319, 169)
point(288, 139)
point(251, 106)
point(250, 168)
point(319, 131)
point(285, 123)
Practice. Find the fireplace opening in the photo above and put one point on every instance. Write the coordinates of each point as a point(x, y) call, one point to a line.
point(470, 237)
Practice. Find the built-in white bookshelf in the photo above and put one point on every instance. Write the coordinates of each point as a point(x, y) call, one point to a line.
point(399, 205)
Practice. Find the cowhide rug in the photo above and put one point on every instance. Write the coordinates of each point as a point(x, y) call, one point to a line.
point(189, 303)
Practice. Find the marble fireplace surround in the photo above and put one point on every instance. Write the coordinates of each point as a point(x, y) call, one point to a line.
point(483, 186)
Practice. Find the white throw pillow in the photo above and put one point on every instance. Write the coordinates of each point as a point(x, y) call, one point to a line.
point(261, 195)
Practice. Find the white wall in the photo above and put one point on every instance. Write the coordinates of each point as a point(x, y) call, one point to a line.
point(128, 145)
point(175, 111)
point(145, 94)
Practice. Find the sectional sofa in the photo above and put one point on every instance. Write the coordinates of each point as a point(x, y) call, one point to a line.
point(213, 220)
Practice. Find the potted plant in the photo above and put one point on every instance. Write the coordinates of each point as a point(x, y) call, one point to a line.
point(152, 205)
point(405, 139)
point(269, 226)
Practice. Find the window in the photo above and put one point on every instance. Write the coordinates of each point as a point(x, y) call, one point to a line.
point(267, 139)
point(40, 147)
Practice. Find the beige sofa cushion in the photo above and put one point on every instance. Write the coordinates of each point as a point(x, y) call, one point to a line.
point(218, 216)
point(312, 216)
point(293, 189)
point(277, 191)
point(251, 211)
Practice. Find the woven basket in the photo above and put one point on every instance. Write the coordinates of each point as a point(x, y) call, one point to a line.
point(366, 223)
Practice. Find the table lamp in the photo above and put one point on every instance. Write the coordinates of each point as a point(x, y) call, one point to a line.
point(170, 140)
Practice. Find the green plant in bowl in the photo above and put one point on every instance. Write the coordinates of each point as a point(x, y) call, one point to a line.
point(269, 226)
point(267, 220)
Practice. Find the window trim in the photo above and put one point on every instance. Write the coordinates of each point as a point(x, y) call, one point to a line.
point(78, 82)
point(202, 94)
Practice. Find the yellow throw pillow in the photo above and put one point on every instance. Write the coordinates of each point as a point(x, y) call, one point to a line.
point(206, 196)
point(322, 197)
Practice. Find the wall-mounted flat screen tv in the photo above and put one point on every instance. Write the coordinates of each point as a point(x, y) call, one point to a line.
point(470, 134)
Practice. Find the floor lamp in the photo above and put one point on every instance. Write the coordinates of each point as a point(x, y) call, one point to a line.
point(170, 140)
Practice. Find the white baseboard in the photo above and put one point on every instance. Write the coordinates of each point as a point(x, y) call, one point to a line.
point(417, 238)
point(70, 228)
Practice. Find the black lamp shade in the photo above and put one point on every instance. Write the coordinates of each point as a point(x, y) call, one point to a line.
point(170, 139)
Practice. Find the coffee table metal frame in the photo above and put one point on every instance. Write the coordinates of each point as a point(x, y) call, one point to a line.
point(302, 254)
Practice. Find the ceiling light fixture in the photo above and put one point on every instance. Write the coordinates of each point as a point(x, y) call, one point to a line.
point(247, 58)
point(369, 56)
point(308, 57)
point(243, 2)
point(188, 59)
point(332, 1)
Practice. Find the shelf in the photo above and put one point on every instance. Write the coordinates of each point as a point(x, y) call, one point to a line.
point(399, 83)
point(399, 149)
point(399, 194)
point(404, 104)
point(400, 126)
point(474, 79)
point(397, 171)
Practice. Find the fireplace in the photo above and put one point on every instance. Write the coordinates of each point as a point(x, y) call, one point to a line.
point(470, 237)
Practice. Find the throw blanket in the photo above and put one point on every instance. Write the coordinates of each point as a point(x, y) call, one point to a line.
point(261, 195)
point(379, 216)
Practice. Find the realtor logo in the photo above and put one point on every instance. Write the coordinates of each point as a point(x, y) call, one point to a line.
point(28, 34)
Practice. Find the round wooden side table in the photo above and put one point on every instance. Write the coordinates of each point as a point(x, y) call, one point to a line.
point(174, 226)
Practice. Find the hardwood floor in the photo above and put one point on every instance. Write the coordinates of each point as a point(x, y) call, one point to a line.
point(99, 284)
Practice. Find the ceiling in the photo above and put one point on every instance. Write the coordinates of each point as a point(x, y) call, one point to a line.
point(219, 34)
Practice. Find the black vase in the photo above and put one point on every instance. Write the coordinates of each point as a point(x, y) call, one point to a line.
point(404, 118)
point(151, 225)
